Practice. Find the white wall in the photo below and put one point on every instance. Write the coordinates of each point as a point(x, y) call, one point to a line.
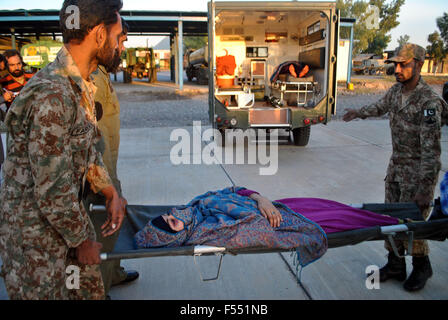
point(282, 51)
point(343, 60)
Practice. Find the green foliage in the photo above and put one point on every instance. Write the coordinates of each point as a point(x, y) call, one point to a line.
point(368, 40)
point(378, 44)
point(403, 40)
point(438, 42)
point(195, 42)
point(442, 24)
point(436, 49)
point(48, 38)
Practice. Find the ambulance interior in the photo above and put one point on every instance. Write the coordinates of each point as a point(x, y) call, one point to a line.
point(260, 43)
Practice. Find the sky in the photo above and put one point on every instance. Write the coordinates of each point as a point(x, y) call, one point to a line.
point(417, 18)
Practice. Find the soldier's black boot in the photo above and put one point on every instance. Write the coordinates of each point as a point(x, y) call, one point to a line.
point(421, 272)
point(394, 269)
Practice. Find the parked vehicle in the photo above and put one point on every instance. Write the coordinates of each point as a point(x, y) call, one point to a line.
point(257, 38)
point(197, 65)
point(139, 63)
point(40, 53)
point(369, 64)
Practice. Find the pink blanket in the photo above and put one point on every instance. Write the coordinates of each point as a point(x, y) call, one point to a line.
point(333, 216)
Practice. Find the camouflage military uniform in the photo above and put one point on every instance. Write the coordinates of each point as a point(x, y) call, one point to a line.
point(1, 156)
point(51, 153)
point(416, 130)
point(2, 129)
point(1, 146)
point(109, 125)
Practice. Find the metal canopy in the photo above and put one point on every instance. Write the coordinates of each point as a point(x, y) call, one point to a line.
point(176, 24)
point(141, 22)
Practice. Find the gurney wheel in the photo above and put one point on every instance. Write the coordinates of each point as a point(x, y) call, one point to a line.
point(301, 136)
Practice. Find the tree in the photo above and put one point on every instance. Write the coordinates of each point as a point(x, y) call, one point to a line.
point(403, 40)
point(436, 49)
point(442, 24)
point(370, 40)
point(194, 43)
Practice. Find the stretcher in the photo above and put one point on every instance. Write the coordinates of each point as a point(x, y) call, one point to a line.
point(306, 91)
point(414, 228)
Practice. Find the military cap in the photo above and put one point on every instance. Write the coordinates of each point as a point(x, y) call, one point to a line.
point(408, 51)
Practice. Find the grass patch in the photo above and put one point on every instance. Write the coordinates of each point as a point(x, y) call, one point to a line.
point(367, 86)
point(435, 79)
point(383, 83)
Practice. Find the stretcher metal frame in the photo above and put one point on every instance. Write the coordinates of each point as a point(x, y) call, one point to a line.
point(435, 228)
point(303, 89)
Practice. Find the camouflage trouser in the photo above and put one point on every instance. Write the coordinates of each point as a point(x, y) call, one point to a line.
point(40, 271)
point(399, 192)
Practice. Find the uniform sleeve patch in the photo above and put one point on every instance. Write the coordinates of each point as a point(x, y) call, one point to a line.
point(429, 112)
point(430, 116)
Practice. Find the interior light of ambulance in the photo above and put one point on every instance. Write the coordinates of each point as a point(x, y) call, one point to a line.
point(275, 36)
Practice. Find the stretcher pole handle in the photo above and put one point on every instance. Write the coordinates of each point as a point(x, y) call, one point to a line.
point(97, 208)
point(164, 252)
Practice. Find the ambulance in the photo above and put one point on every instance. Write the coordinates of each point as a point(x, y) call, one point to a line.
point(272, 65)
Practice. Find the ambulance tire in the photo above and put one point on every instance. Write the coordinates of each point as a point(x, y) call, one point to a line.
point(301, 136)
point(390, 71)
point(190, 74)
point(202, 76)
point(220, 139)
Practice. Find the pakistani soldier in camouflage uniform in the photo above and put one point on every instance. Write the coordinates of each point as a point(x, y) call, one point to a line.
point(416, 115)
point(2, 129)
point(44, 228)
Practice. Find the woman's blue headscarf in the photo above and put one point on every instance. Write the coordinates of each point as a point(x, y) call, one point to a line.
point(224, 218)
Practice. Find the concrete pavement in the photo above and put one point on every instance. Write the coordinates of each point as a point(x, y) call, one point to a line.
point(345, 162)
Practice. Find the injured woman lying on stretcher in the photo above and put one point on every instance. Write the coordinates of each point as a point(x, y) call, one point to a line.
point(236, 218)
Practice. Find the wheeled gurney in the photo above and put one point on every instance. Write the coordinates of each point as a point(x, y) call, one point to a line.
point(436, 228)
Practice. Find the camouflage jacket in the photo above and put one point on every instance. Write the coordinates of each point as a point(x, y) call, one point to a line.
point(416, 133)
point(52, 133)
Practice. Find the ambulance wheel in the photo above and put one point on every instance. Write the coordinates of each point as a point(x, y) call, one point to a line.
point(390, 71)
point(301, 136)
point(220, 139)
point(189, 76)
point(127, 77)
